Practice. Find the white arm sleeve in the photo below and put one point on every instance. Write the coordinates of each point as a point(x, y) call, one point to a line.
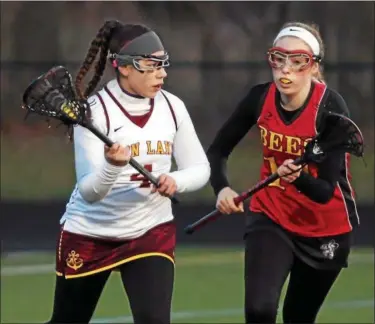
point(95, 176)
point(192, 163)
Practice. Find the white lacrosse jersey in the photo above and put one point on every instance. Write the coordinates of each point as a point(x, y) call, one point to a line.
point(116, 202)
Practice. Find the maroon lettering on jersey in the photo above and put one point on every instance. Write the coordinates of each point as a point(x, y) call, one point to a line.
point(281, 201)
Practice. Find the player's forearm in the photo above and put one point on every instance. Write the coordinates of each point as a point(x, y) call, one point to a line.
point(318, 190)
point(191, 178)
point(219, 152)
point(229, 135)
point(321, 189)
point(218, 178)
point(95, 186)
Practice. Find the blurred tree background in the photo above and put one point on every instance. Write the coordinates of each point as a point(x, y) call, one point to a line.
point(218, 53)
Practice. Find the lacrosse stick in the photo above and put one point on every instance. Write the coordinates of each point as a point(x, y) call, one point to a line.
point(52, 95)
point(339, 134)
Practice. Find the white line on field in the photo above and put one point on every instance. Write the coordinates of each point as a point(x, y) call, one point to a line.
point(184, 315)
point(36, 269)
point(178, 315)
point(207, 259)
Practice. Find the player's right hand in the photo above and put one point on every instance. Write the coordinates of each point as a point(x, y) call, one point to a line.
point(117, 154)
point(225, 202)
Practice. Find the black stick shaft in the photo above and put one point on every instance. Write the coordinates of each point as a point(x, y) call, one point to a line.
point(132, 161)
point(215, 214)
point(99, 134)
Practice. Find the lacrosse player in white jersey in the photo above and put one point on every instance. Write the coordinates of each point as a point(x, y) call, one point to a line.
point(115, 219)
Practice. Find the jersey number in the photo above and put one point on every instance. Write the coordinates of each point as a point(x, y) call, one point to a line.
point(145, 183)
point(273, 169)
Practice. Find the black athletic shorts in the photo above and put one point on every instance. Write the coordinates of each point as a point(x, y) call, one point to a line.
point(329, 252)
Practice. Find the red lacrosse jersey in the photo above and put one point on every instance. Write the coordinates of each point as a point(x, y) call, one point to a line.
point(281, 201)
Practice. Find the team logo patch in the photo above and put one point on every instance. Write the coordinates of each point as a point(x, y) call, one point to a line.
point(329, 249)
point(73, 260)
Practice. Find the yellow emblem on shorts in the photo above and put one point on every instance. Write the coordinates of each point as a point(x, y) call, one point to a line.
point(74, 261)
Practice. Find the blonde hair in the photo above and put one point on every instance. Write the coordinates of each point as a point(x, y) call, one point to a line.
point(313, 29)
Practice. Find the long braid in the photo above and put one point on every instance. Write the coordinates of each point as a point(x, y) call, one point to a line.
point(111, 36)
point(99, 43)
point(101, 63)
point(87, 63)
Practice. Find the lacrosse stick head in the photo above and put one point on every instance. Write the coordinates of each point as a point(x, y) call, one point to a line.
point(338, 134)
point(52, 95)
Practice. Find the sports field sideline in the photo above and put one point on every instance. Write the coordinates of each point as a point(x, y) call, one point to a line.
point(208, 289)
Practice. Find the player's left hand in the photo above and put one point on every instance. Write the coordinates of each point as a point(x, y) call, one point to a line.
point(288, 171)
point(167, 186)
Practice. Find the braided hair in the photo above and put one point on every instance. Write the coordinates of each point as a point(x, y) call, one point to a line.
point(111, 37)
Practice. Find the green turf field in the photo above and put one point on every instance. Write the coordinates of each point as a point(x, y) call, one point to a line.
point(208, 289)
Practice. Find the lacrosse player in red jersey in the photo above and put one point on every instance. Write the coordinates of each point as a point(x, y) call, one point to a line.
point(115, 219)
point(301, 224)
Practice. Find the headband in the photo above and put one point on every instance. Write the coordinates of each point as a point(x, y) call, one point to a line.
point(143, 45)
point(303, 34)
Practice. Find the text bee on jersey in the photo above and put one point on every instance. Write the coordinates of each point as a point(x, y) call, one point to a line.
point(300, 224)
point(115, 219)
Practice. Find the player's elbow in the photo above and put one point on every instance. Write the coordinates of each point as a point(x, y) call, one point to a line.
point(89, 194)
point(214, 155)
point(321, 200)
point(206, 173)
point(193, 178)
point(324, 196)
point(202, 174)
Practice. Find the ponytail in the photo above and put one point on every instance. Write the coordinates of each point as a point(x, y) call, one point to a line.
point(99, 43)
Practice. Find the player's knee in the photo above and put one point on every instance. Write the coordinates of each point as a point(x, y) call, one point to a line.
point(297, 315)
point(260, 312)
point(68, 320)
point(151, 318)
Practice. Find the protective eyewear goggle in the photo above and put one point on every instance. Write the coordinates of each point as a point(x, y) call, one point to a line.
point(297, 60)
point(157, 62)
point(138, 61)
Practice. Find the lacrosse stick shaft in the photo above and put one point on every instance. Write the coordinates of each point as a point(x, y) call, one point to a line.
point(132, 161)
point(99, 134)
point(215, 214)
